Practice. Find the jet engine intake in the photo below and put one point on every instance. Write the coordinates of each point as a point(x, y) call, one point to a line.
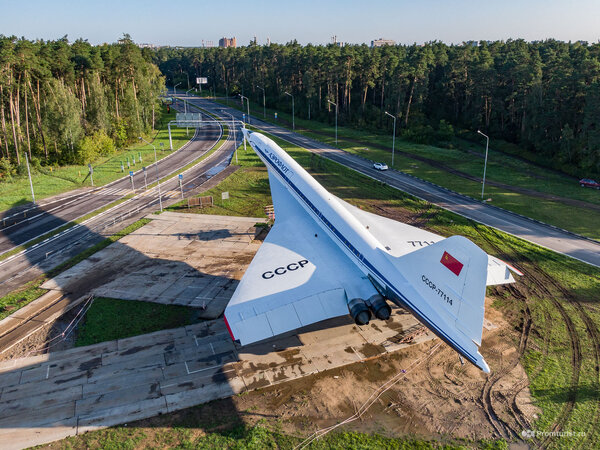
point(359, 311)
point(379, 306)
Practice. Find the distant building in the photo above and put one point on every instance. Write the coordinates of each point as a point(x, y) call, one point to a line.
point(147, 46)
point(335, 42)
point(228, 42)
point(381, 42)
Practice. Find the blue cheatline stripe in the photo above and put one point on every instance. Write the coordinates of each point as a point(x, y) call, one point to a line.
point(363, 260)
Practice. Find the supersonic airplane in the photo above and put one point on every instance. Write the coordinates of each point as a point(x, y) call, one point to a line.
point(324, 258)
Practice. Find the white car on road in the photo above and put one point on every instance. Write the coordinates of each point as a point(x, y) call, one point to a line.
point(380, 166)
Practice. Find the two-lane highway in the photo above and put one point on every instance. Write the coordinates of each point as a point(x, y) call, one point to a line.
point(553, 238)
point(25, 225)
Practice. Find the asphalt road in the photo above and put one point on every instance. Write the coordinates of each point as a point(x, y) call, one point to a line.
point(19, 227)
point(24, 266)
point(553, 238)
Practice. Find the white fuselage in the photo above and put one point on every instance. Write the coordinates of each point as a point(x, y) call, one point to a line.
point(353, 238)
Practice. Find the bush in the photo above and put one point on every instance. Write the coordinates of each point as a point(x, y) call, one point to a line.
point(98, 144)
point(7, 170)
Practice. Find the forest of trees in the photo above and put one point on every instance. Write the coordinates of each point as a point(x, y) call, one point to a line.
point(542, 96)
point(64, 103)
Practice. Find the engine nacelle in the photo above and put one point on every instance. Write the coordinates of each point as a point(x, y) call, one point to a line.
point(379, 306)
point(359, 311)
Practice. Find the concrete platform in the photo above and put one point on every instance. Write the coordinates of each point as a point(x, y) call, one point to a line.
point(48, 397)
point(177, 259)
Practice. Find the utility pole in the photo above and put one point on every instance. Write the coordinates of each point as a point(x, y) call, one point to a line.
point(487, 143)
point(156, 168)
point(393, 137)
point(30, 182)
point(336, 114)
point(293, 124)
point(248, 103)
point(234, 138)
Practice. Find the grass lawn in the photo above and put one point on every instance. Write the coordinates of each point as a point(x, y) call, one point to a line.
point(468, 158)
point(109, 319)
point(209, 435)
point(48, 182)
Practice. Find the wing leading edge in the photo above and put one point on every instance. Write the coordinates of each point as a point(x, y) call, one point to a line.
point(297, 277)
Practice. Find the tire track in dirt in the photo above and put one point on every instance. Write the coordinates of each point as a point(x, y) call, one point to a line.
point(505, 429)
point(541, 280)
point(592, 331)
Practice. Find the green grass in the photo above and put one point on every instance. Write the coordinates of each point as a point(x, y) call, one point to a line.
point(466, 157)
point(248, 190)
point(56, 180)
point(31, 291)
point(109, 319)
point(250, 437)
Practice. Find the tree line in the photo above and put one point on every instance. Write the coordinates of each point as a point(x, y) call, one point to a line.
point(543, 96)
point(63, 103)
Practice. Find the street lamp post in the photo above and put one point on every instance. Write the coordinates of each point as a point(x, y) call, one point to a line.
point(185, 110)
point(293, 120)
point(336, 114)
point(393, 137)
point(234, 139)
point(264, 103)
point(30, 182)
point(248, 103)
point(156, 168)
point(175, 87)
point(487, 144)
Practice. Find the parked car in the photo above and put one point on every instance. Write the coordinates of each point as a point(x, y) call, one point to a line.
point(380, 166)
point(586, 182)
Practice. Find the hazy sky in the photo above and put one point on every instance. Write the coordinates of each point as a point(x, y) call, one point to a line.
point(189, 22)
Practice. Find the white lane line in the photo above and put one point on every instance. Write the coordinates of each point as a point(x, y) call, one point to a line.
point(199, 370)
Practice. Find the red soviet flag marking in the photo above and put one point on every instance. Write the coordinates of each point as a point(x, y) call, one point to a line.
point(451, 263)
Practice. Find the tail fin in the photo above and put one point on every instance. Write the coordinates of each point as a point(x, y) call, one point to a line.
point(449, 278)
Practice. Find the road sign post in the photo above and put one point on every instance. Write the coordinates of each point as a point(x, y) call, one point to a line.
point(140, 156)
point(224, 196)
point(181, 184)
point(145, 178)
point(91, 173)
point(122, 168)
point(131, 177)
